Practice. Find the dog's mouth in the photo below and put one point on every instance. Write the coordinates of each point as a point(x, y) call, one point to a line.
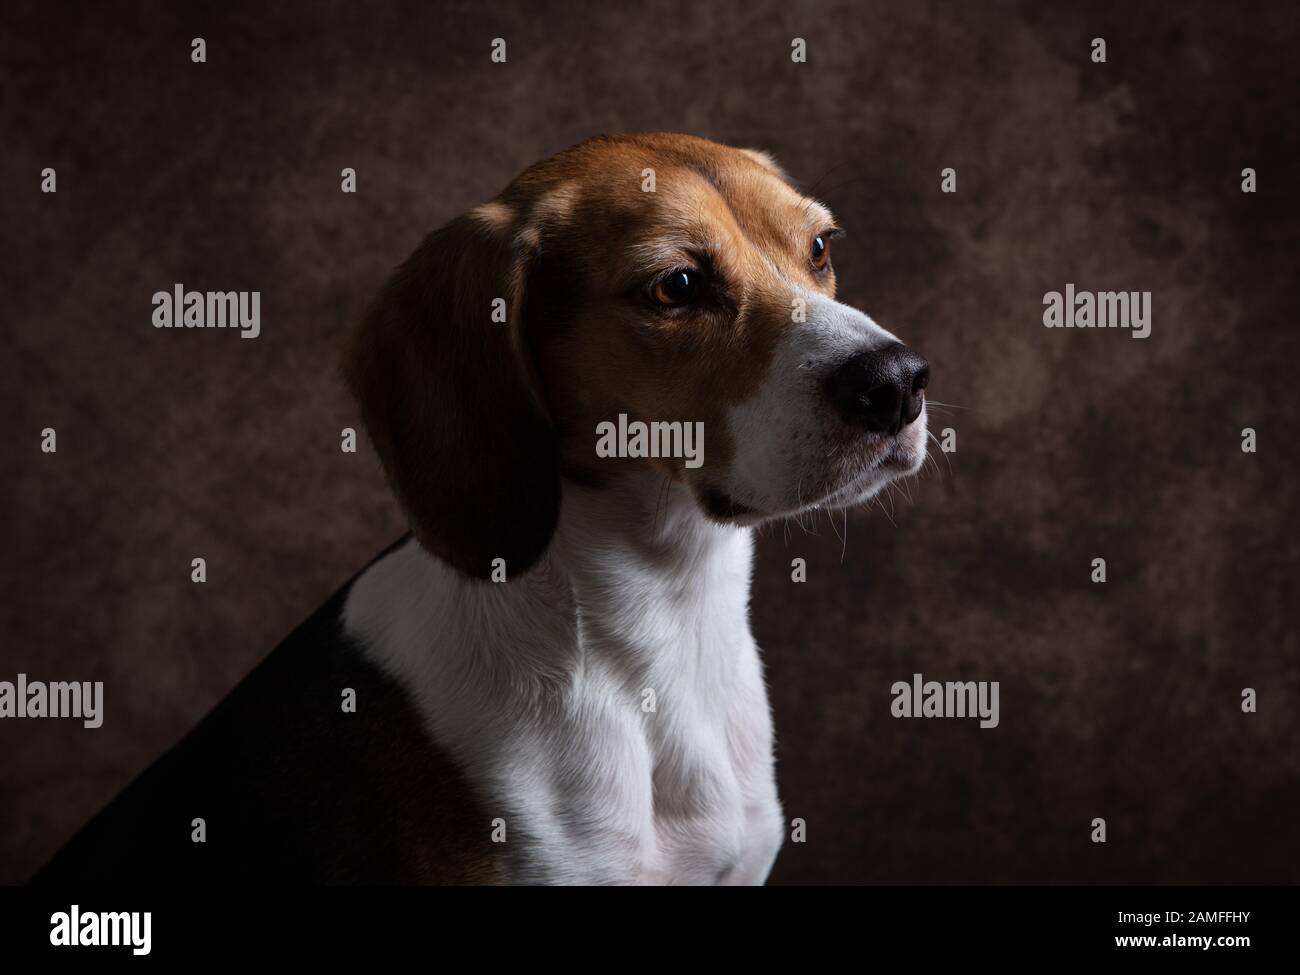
point(723, 507)
point(851, 479)
point(894, 457)
point(892, 465)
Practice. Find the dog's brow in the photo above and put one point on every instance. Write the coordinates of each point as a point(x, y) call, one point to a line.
point(818, 216)
point(654, 255)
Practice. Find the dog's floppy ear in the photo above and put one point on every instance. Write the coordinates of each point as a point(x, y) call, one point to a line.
point(450, 399)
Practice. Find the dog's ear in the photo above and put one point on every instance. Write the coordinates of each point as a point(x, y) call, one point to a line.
point(451, 402)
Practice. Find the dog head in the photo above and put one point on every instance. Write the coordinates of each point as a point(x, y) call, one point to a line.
point(660, 278)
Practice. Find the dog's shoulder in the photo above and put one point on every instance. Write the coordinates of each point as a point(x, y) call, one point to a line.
point(315, 768)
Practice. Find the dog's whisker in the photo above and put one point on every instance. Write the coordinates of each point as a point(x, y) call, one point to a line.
point(830, 516)
point(932, 465)
point(661, 503)
point(811, 192)
point(941, 450)
point(888, 516)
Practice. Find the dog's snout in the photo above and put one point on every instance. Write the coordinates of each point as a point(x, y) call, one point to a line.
point(881, 390)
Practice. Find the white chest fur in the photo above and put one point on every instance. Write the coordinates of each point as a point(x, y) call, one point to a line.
point(609, 705)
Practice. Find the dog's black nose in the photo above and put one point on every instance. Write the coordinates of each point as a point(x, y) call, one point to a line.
point(881, 389)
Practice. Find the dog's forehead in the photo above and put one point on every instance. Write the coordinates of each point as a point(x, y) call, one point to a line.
point(657, 183)
point(740, 197)
point(744, 190)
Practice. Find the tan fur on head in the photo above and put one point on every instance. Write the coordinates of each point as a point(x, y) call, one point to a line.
point(614, 354)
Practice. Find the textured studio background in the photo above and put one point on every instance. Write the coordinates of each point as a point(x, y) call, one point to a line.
point(1119, 700)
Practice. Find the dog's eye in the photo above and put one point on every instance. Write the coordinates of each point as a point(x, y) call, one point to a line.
point(821, 252)
point(678, 288)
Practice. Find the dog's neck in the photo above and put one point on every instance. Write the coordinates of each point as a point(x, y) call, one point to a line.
point(645, 525)
point(650, 574)
point(635, 575)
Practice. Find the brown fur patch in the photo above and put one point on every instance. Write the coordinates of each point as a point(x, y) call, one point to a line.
point(450, 405)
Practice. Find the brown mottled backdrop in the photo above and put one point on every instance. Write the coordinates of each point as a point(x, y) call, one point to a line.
point(1119, 700)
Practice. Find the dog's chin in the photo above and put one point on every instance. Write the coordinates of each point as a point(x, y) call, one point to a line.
point(722, 508)
point(900, 459)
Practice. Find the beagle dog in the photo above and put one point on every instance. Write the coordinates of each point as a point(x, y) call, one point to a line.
point(554, 677)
